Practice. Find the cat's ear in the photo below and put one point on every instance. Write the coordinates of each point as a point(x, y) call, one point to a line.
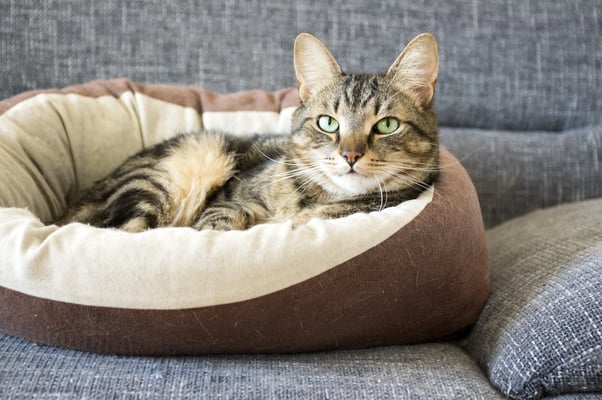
point(314, 65)
point(416, 67)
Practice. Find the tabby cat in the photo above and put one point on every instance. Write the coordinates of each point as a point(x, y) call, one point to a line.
point(359, 142)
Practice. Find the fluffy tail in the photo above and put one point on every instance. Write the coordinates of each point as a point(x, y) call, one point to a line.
point(198, 167)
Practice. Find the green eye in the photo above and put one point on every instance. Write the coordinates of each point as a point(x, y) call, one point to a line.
point(328, 124)
point(386, 125)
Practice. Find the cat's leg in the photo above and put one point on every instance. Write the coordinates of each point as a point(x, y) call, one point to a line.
point(225, 216)
point(330, 211)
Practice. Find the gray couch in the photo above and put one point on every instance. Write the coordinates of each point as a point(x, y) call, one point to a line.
point(520, 104)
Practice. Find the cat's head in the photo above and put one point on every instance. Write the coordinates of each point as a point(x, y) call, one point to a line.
point(365, 133)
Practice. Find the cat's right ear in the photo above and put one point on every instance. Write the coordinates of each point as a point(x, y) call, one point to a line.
point(314, 65)
point(416, 68)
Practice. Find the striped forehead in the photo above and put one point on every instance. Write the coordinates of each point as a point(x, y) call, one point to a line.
point(357, 92)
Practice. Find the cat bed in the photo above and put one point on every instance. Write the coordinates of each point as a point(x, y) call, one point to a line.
point(410, 273)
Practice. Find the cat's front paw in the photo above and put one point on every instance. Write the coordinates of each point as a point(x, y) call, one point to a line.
point(217, 225)
point(222, 220)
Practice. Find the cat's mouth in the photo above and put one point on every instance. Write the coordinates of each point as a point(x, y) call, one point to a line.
point(355, 172)
point(352, 182)
point(351, 173)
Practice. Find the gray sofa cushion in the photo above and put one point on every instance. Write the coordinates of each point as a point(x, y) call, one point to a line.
point(541, 331)
point(434, 371)
point(517, 172)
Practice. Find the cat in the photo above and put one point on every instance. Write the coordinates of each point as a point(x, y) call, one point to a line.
point(359, 143)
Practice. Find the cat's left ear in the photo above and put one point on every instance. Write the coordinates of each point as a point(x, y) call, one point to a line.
point(416, 68)
point(314, 65)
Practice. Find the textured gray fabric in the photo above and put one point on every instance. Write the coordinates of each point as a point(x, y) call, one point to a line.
point(541, 330)
point(509, 64)
point(435, 371)
point(518, 172)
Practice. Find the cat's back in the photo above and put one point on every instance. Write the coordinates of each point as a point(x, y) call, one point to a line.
point(257, 150)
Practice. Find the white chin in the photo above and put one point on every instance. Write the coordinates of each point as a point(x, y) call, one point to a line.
point(354, 184)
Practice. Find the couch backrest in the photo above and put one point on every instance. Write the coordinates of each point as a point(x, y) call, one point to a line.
point(508, 64)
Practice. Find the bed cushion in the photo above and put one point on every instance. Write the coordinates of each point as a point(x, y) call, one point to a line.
point(406, 274)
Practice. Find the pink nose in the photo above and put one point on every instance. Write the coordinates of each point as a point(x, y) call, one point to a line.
point(351, 156)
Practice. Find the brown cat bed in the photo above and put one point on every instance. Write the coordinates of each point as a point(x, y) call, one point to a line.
point(409, 273)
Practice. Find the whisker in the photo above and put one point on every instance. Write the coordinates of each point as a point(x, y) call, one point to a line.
point(401, 167)
point(383, 194)
point(306, 182)
point(466, 156)
point(410, 181)
point(295, 173)
point(281, 161)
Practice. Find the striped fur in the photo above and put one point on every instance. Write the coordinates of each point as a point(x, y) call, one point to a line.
point(212, 180)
